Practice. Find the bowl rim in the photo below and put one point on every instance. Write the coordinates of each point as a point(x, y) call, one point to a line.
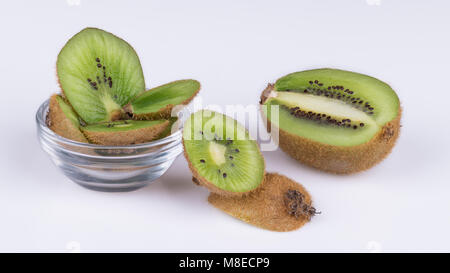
point(41, 114)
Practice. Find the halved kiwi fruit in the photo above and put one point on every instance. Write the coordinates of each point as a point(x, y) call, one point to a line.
point(99, 73)
point(158, 102)
point(63, 120)
point(280, 204)
point(221, 154)
point(125, 132)
point(333, 120)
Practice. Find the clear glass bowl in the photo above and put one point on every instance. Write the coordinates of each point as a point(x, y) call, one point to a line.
point(108, 168)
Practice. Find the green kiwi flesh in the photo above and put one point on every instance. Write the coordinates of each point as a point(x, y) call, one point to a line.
point(221, 154)
point(99, 73)
point(125, 132)
point(63, 120)
point(331, 106)
point(158, 102)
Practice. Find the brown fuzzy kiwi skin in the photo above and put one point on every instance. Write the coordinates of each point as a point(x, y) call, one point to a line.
point(60, 124)
point(201, 181)
point(126, 137)
point(265, 208)
point(163, 113)
point(338, 159)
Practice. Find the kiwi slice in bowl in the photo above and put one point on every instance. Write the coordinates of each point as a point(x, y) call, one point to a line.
point(63, 120)
point(158, 102)
point(221, 154)
point(334, 120)
point(125, 132)
point(280, 204)
point(99, 73)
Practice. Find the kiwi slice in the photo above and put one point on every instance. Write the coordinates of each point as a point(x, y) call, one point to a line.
point(63, 120)
point(158, 102)
point(168, 130)
point(125, 132)
point(333, 120)
point(280, 204)
point(99, 73)
point(221, 154)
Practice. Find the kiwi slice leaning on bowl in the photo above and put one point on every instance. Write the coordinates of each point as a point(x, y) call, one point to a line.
point(125, 132)
point(221, 154)
point(158, 102)
point(280, 204)
point(99, 73)
point(63, 120)
point(333, 120)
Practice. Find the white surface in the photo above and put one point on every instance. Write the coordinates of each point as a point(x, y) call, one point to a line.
point(234, 48)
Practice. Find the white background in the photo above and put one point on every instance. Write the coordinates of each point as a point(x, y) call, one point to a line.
point(234, 48)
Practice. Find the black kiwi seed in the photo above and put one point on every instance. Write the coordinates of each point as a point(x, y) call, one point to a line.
point(361, 124)
point(236, 150)
point(231, 157)
point(97, 60)
point(82, 123)
point(224, 175)
point(99, 65)
point(202, 161)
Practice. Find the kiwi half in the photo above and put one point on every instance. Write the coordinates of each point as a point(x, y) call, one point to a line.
point(334, 120)
point(158, 102)
point(280, 204)
point(99, 73)
point(124, 132)
point(63, 120)
point(221, 155)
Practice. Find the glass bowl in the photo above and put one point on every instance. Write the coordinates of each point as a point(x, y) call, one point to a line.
point(108, 168)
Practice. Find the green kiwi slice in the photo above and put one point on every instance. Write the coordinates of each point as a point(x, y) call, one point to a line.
point(335, 120)
point(99, 73)
point(333, 106)
point(125, 132)
point(221, 154)
point(158, 102)
point(63, 120)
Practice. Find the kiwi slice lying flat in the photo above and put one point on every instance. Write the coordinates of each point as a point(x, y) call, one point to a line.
point(334, 120)
point(221, 155)
point(124, 132)
point(63, 120)
point(158, 102)
point(279, 205)
point(99, 73)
